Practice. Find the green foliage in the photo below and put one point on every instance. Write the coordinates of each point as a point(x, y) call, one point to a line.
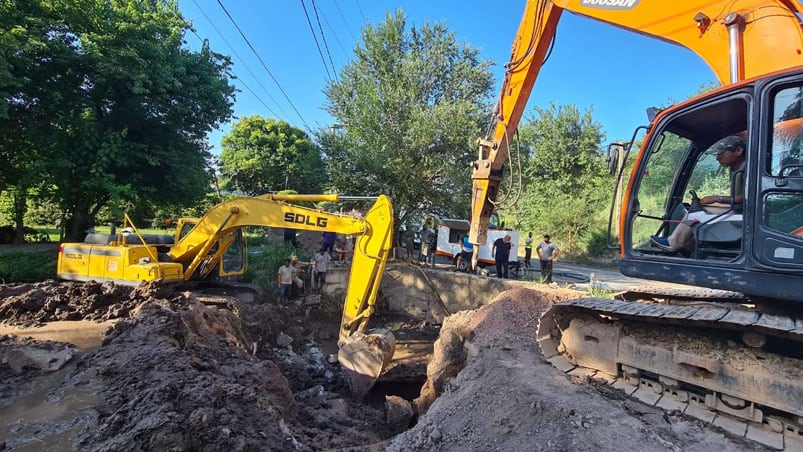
point(107, 104)
point(264, 262)
point(598, 291)
point(27, 267)
point(596, 241)
point(411, 106)
point(567, 187)
point(265, 155)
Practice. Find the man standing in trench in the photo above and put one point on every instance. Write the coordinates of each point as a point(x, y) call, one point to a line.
point(547, 253)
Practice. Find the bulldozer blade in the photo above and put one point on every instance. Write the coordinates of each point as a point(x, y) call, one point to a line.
point(364, 357)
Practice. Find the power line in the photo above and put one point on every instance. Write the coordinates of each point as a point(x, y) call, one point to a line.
point(237, 26)
point(323, 37)
point(247, 68)
point(364, 20)
point(315, 38)
point(243, 82)
point(342, 16)
point(334, 33)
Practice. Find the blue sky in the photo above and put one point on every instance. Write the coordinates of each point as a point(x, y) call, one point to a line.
point(617, 73)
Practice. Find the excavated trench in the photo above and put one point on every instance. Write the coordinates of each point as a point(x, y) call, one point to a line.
point(213, 369)
point(163, 369)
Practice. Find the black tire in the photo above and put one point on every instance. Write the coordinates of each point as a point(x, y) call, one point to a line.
point(463, 266)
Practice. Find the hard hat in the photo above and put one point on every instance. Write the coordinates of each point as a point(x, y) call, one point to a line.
point(294, 258)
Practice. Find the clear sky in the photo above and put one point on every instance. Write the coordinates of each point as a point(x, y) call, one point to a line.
point(618, 74)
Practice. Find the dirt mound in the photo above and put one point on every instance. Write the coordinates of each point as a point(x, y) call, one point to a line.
point(50, 301)
point(174, 374)
point(496, 392)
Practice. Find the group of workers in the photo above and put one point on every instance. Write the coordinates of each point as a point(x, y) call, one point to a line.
point(547, 253)
point(289, 274)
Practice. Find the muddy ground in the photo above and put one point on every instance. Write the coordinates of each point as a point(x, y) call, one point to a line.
point(208, 371)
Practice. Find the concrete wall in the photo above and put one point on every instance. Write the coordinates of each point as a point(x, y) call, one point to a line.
point(414, 290)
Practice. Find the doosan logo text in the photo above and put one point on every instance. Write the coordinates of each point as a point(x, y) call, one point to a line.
point(610, 4)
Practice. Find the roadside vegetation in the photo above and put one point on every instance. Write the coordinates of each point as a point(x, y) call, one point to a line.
point(27, 266)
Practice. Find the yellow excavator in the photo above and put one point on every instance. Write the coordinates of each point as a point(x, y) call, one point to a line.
point(213, 248)
point(727, 348)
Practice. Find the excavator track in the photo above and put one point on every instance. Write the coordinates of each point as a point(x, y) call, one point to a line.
point(722, 363)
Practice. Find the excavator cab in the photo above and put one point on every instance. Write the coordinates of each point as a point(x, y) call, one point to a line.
point(226, 259)
point(756, 244)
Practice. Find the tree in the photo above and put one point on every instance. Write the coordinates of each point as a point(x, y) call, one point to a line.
point(263, 155)
point(109, 105)
point(411, 106)
point(567, 184)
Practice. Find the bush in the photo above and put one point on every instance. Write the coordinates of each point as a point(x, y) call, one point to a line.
point(597, 243)
point(264, 262)
point(27, 267)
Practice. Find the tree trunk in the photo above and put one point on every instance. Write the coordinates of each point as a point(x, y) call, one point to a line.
point(77, 225)
point(20, 205)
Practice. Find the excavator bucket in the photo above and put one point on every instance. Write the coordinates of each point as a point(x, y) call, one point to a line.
point(364, 356)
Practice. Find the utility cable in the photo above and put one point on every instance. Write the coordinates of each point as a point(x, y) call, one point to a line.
point(245, 65)
point(323, 37)
point(315, 38)
point(342, 16)
point(364, 20)
point(237, 26)
point(334, 33)
point(245, 85)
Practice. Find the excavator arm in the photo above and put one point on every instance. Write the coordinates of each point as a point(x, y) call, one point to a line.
point(363, 353)
point(737, 39)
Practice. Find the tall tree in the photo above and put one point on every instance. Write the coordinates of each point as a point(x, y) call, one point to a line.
point(262, 155)
point(568, 188)
point(110, 103)
point(410, 107)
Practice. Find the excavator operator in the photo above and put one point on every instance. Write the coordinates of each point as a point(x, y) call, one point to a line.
point(730, 153)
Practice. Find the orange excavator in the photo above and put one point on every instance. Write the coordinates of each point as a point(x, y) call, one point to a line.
point(726, 347)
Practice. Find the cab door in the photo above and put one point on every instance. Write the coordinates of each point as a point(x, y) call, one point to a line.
point(778, 240)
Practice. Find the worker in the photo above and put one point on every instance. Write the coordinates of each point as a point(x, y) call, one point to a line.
point(341, 251)
point(299, 270)
point(286, 274)
point(528, 250)
point(547, 253)
point(729, 152)
point(501, 254)
point(328, 242)
point(320, 263)
point(466, 251)
point(426, 243)
point(290, 237)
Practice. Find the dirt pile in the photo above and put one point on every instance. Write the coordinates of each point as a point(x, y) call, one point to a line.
point(174, 374)
point(507, 397)
point(51, 301)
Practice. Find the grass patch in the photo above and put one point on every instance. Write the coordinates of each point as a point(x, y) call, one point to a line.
point(22, 267)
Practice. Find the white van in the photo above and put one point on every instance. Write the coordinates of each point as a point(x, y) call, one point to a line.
point(450, 236)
